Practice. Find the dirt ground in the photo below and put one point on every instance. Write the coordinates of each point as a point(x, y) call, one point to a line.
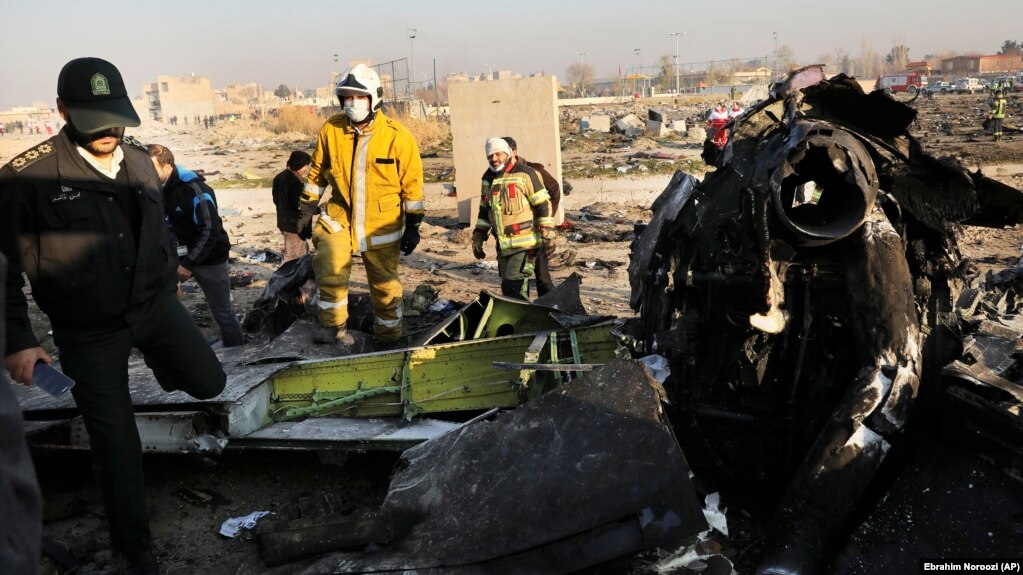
point(239, 159)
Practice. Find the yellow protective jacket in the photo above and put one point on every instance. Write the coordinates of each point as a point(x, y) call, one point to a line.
point(376, 175)
point(998, 108)
point(514, 205)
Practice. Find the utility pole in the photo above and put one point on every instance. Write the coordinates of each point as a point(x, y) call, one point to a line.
point(412, 57)
point(436, 98)
point(636, 84)
point(333, 84)
point(676, 35)
point(582, 70)
point(776, 72)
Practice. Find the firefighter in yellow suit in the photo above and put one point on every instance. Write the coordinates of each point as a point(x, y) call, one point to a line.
point(373, 164)
point(515, 208)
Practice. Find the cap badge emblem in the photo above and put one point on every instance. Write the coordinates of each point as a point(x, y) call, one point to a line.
point(100, 86)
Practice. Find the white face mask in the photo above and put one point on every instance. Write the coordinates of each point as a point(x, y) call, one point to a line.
point(357, 110)
point(498, 169)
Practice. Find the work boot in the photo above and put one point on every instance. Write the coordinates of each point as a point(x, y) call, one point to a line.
point(139, 564)
point(332, 334)
point(389, 344)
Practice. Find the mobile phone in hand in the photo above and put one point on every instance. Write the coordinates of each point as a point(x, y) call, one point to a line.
point(47, 378)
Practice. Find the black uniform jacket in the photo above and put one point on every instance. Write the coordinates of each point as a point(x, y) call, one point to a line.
point(67, 228)
point(549, 182)
point(192, 213)
point(287, 191)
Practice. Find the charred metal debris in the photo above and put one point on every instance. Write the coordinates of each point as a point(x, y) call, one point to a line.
point(808, 294)
point(813, 342)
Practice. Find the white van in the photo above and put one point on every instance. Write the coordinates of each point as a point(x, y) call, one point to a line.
point(968, 86)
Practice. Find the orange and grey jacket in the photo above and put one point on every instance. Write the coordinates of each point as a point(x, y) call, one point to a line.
point(514, 205)
point(377, 176)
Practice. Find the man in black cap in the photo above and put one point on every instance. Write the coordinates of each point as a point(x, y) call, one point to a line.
point(287, 191)
point(81, 214)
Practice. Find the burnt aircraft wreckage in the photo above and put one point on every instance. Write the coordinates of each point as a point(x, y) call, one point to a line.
point(830, 353)
point(808, 294)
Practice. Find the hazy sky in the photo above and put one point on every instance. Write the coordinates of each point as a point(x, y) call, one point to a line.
point(294, 42)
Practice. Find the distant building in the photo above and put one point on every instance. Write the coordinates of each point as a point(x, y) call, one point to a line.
point(242, 93)
point(921, 66)
point(964, 66)
point(180, 96)
point(457, 77)
point(37, 113)
point(759, 76)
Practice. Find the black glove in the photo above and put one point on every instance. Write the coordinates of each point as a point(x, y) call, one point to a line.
point(479, 237)
point(410, 239)
point(306, 232)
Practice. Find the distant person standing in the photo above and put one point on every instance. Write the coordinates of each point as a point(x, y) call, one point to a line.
point(203, 245)
point(716, 125)
point(735, 111)
point(997, 115)
point(541, 267)
point(515, 208)
point(287, 193)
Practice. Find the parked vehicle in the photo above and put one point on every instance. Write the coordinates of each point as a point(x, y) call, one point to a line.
point(968, 86)
point(909, 82)
point(939, 88)
point(1006, 83)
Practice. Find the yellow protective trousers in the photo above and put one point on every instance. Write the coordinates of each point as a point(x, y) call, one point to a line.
point(333, 267)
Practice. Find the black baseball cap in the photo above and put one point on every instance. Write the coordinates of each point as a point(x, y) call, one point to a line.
point(94, 96)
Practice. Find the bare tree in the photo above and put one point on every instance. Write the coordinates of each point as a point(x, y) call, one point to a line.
point(580, 75)
point(869, 64)
point(842, 62)
point(713, 74)
point(784, 59)
point(897, 58)
point(827, 59)
point(666, 72)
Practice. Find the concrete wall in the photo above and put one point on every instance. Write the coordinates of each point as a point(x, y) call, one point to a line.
point(589, 101)
point(523, 108)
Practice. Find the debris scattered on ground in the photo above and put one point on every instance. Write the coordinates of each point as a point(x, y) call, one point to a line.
point(235, 525)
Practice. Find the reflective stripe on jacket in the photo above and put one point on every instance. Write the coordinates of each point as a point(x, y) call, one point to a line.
point(377, 176)
point(998, 108)
point(514, 205)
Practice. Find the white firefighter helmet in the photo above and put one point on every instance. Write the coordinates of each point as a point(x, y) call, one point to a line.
point(362, 80)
